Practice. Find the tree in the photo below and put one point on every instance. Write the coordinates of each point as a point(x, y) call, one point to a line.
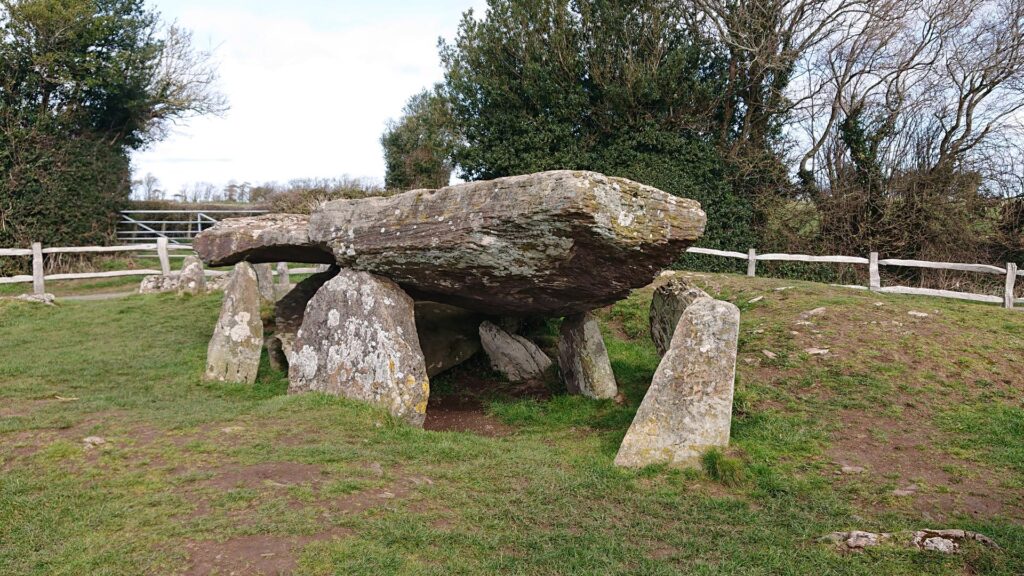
point(418, 147)
point(83, 83)
point(621, 87)
point(147, 188)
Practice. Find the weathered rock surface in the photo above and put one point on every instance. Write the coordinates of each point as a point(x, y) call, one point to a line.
point(448, 335)
point(512, 355)
point(288, 314)
point(159, 283)
point(553, 243)
point(192, 278)
point(358, 340)
point(583, 358)
point(688, 407)
point(667, 305)
point(942, 541)
point(265, 238)
point(265, 282)
point(234, 351)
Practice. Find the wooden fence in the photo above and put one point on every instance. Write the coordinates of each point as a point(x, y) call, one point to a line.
point(1007, 299)
point(163, 246)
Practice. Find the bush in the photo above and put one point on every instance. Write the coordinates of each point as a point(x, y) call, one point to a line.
point(59, 190)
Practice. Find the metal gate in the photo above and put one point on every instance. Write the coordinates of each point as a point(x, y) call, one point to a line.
point(178, 226)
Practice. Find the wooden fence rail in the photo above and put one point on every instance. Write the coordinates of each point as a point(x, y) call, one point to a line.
point(1007, 299)
point(162, 247)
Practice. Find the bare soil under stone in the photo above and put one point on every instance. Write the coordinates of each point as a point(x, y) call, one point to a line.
point(459, 398)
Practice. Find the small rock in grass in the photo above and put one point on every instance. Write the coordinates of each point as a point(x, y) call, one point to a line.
point(852, 469)
point(816, 351)
point(905, 491)
point(93, 442)
point(755, 300)
point(783, 288)
point(769, 354)
point(879, 303)
point(942, 545)
point(917, 314)
point(815, 312)
point(45, 298)
point(232, 429)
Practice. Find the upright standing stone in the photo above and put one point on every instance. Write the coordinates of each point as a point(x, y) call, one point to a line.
point(688, 408)
point(667, 305)
point(583, 358)
point(234, 351)
point(288, 314)
point(265, 282)
point(192, 279)
point(512, 355)
point(358, 340)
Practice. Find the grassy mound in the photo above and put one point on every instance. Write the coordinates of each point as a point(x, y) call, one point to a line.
point(196, 477)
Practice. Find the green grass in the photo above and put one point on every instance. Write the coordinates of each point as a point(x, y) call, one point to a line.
point(545, 500)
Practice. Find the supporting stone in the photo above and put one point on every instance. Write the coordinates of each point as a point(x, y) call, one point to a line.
point(358, 340)
point(667, 305)
point(448, 335)
point(234, 351)
point(688, 408)
point(265, 282)
point(288, 314)
point(512, 355)
point(583, 358)
point(192, 278)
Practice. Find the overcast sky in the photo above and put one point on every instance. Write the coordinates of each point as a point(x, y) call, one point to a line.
point(310, 83)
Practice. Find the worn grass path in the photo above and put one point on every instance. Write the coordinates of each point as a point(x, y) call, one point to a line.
point(196, 478)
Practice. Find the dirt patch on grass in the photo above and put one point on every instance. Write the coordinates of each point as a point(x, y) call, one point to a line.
point(259, 554)
point(460, 414)
point(278, 474)
point(905, 466)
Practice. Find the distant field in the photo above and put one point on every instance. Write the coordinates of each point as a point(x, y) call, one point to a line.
point(196, 478)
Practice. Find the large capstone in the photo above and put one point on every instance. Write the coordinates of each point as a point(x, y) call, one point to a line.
point(358, 340)
point(550, 244)
point(234, 351)
point(266, 238)
point(688, 408)
point(288, 314)
point(667, 305)
point(512, 355)
point(583, 358)
point(192, 279)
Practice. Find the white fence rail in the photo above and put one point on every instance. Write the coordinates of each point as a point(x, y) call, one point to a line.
point(1007, 299)
point(162, 247)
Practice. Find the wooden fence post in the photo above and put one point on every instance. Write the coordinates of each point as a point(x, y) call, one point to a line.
point(1011, 282)
point(751, 262)
point(165, 260)
point(875, 279)
point(38, 286)
point(282, 274)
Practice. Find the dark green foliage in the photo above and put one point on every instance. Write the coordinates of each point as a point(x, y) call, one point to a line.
point(615, 87)
point(418, 148)
point(59, 191)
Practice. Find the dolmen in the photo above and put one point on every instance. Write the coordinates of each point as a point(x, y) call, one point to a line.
point(420, 281)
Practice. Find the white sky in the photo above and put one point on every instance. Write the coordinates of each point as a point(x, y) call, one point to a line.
point(311, 84)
